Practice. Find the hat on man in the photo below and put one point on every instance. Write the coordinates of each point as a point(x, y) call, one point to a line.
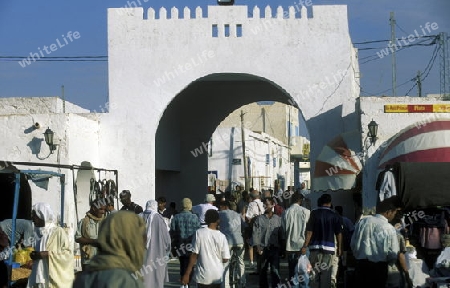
point(210, 198)
point(125, 193)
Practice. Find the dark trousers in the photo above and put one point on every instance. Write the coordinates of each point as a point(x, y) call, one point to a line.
point(370, 274)
point(184, 262)
point(292, 258)
point(270, 256)
point(208, 286)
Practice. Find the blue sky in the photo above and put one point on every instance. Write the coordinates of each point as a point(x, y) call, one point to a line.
point(27, 25)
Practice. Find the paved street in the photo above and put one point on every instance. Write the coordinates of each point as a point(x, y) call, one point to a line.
point(252, 280)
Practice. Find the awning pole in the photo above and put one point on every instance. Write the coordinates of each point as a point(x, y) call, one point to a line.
point(62, 180)
point(14, 216)
point(75, 192)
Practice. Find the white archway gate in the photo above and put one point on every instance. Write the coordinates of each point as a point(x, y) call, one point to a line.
point(213, 60)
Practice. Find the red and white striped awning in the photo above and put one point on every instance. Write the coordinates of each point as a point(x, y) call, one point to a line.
point(429, 142)
point(338, 164)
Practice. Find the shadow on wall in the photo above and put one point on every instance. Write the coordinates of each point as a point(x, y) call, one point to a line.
point(35, 145)
point(323, 128)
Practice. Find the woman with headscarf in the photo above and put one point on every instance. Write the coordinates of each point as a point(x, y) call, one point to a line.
point(53, 264)
point(118, 264)
point(158, 238)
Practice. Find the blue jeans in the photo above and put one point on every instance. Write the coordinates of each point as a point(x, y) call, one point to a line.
point(270, 256)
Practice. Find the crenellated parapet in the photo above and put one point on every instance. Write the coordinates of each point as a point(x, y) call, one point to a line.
point(289, 13)
point(293, 12)
point(236, 21)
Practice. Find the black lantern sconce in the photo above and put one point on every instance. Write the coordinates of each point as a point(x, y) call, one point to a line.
point(373, 131)
point(48, 135)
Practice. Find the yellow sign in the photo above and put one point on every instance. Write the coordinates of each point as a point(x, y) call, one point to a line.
point(395, 108)
point(441, 108)
point(417, 108)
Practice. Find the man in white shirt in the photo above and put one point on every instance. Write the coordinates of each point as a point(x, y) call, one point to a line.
point(375, 244)
point(294, 225)
point(231, 227)
point(201, 209)
point(210, 251)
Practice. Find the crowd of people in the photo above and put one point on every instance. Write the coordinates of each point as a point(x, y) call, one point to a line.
point(132, 247)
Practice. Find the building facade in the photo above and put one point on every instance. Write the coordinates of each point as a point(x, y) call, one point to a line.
point(173, 79)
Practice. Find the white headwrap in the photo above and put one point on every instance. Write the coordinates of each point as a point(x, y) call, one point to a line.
point(152, 205)
point(40, 267)
point(44, 212)
point(151, 209)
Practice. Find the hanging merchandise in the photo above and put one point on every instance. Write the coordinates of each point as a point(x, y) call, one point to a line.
point(386, 185)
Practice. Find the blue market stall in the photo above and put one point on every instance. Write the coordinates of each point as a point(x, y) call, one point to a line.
point(21, 191)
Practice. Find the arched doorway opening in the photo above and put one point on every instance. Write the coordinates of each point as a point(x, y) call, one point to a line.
point(189, 121)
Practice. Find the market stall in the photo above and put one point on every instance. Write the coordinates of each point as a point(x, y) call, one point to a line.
point(415, 166)
point(17, 174)
point(19, 274)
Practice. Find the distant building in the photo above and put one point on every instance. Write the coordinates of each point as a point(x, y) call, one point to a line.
point(273, 148)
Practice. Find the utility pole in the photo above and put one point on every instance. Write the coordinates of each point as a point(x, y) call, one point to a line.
point(445, 69)
point(419, 83)
point(63, 98)
point(243, 152)
point(394, 62)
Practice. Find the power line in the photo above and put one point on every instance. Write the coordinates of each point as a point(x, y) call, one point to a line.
point(401, 28)
point(404, 83)
point(396, 39)
point(60, 57)
point(376, 57)
point(432, 63)
point(55, 59)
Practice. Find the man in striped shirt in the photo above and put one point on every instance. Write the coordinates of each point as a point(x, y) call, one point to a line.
point(323, 225)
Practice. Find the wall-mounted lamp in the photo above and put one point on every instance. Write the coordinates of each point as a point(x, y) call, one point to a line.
point(373, 131)
point(48, 135)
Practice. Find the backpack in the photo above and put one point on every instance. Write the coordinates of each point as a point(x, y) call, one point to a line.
point(251, 223)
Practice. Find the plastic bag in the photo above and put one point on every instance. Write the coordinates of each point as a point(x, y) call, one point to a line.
point(303, 272)
point(21, 257)
point(303, 265)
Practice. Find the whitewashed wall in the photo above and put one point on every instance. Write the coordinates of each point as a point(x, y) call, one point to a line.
point(311, 60)
point(77, 139)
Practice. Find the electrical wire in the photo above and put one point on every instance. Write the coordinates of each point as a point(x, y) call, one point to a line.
point(404, 83)
point(376, 57)
point(397, 39)
point(55, 59)
point(429, 67)
point(400, 28)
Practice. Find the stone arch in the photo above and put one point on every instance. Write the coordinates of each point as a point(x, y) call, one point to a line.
point(189, 121)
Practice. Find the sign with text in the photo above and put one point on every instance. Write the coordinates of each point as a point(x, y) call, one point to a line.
point(420, 108)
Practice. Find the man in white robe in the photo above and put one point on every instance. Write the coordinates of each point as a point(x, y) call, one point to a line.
point(53, 264)
point(158, 247)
